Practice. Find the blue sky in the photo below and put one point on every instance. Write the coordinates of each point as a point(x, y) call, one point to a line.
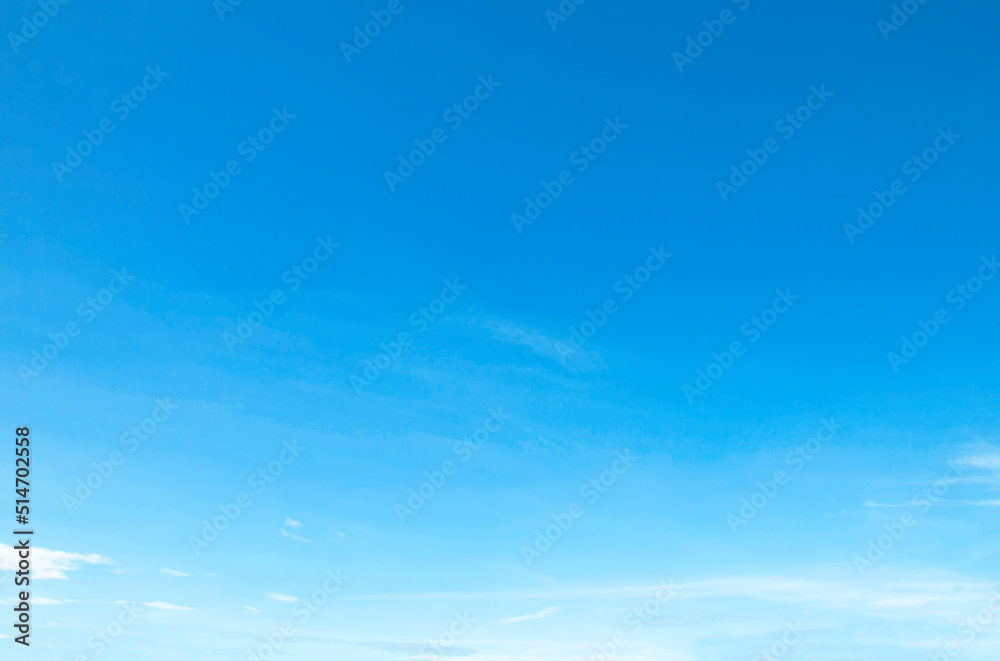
point(469, 435)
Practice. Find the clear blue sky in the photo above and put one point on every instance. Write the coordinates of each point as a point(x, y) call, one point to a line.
point(607, 358)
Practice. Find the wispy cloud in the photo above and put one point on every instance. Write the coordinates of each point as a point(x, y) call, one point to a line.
point(285, 533)
point(282, 597)
point(989, 461)
point(251, 609)
point(895, 596)
point(540, 344)
point(870, 503)
point(292, 523)
point(49, 564)
point(534, 616)
point(415, 650)
point(164, 606)
point(971, 503)
point(172, 572)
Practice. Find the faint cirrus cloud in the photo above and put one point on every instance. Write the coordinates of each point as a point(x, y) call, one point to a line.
point(533, 616)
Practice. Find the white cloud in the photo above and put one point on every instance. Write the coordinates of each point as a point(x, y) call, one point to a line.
point(49, 564)
point(292, 523)
point(987, 461)
point(840, 588)
point(172, 572)
point(869, 503)
point(285, 533)
point(940, 501)
point(282, 597)
point(251, 609)
point(164, 606)
point(540, 344)
point(45, 601)
point(534, 616)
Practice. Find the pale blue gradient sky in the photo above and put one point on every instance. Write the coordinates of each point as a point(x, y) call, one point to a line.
point(499, 344)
